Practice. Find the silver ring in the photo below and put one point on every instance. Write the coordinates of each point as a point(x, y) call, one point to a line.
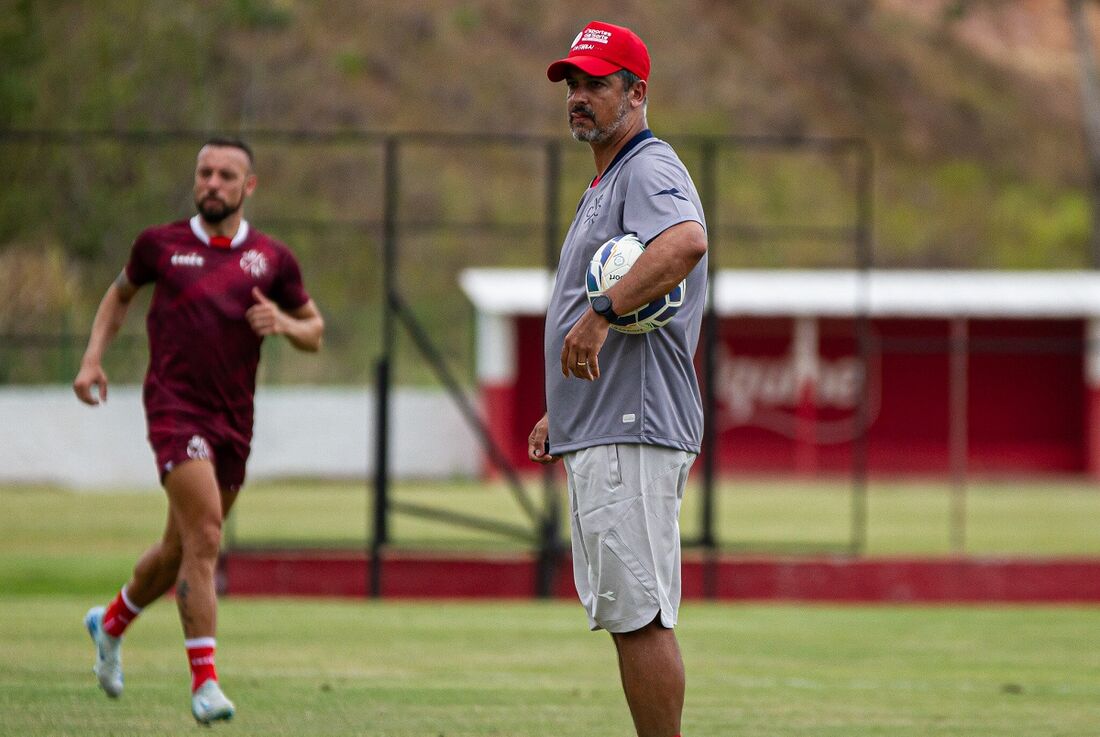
point(582, 363)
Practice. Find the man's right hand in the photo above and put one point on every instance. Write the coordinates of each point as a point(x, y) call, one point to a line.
point(88, 377)
point(537, 445)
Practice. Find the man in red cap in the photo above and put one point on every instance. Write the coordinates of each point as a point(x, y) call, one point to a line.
point(624, 411)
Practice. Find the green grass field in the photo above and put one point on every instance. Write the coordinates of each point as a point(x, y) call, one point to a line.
point(912, 518)
point(399, 669)
point(306, 668)
point(47, 545)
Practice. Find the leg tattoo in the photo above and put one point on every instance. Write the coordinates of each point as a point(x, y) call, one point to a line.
point(182, 590)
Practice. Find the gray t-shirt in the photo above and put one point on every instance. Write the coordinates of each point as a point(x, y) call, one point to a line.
point(647, 391)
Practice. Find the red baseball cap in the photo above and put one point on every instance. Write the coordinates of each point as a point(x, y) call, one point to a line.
point(602, 49)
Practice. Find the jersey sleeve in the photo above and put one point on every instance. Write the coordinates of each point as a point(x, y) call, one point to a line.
point(142, 266)
point(659, 194)
point(288, 291)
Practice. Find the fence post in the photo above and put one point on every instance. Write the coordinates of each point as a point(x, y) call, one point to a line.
point(550, 547)
point(957, 432)
point(708, 539)
point(383, 371)
point(865, 262)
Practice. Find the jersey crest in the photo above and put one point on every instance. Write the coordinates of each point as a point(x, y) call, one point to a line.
point(254, 262)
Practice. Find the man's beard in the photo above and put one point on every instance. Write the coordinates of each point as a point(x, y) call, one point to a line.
point(598, 134)
point(214, 210)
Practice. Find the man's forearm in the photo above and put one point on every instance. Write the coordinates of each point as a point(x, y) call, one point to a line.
point(109, 318)
point(667, 261)
point(305, 334)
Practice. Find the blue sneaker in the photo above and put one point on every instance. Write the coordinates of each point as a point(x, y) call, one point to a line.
point(209, 704)
point(108, 653)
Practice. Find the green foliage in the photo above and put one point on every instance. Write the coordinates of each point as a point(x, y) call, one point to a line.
point(260, 14)
point(350, 62)
point(972, 165)
point(21, 50)
point(467, 18)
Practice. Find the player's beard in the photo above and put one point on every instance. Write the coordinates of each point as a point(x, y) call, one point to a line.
point(597, 133)
point(214, 209)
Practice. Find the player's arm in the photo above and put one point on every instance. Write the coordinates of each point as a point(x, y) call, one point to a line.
point(108, 321)
point(538, 449)
point(667, 261)
point(303, 326)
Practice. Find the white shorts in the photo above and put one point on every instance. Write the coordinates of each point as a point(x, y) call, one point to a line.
point(624, 501)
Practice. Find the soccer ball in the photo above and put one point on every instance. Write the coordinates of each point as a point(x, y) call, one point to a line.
point(609, 263)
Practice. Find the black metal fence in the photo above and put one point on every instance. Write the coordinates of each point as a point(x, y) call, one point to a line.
point(382, 223)
point(708, 153)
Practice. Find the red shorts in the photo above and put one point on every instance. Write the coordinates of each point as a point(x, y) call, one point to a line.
point(180, 440)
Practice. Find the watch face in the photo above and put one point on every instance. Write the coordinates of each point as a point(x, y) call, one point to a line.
point(601, 303)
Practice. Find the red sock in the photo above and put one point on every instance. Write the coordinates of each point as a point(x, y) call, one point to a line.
point(200, 653)
point(120, 612)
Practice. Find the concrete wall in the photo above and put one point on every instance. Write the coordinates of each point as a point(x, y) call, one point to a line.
point(47, 436)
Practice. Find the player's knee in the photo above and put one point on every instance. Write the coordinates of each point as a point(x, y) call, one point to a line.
point(204, 540)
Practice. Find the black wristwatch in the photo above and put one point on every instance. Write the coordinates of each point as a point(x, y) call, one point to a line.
point(601, 305)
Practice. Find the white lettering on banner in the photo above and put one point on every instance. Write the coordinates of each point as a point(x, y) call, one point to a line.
point(766, 392)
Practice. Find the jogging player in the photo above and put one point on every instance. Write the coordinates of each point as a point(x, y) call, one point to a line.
point(624, 411)
point(221, 287)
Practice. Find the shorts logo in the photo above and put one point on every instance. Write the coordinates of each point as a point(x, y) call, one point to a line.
point(254, 263)
point(609, 595)
point(197, 449)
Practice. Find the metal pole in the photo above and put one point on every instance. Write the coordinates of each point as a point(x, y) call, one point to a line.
point(1089, 80)
point(959, 359)
point(383, 370)
point(708, 538)
point(549, 544)
point(865, 261)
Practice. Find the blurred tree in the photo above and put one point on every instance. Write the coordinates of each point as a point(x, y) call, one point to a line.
point(21, 48)
point(1090, 100)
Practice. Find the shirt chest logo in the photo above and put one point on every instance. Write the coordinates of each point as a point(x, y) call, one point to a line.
point(187, 259)
point(593, 211)
point(254, 262)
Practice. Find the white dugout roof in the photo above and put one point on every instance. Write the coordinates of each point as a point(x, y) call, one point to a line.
point(838, 293)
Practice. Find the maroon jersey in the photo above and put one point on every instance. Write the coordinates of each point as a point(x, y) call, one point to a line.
point(202, 353)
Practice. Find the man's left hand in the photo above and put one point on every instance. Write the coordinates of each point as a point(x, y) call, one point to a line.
point(581, 349)
point(264, 317)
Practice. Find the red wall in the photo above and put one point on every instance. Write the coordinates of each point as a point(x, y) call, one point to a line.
point(1026, 397)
